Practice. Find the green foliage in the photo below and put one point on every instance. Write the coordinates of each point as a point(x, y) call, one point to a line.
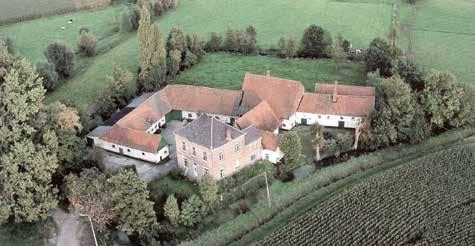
point(238, 41)
point(195, 45)
point(87, 44)
point(176, 41)
point(62, 56)
point(287, 48)
point(173, 65)
point(27, 150)
point(214, 42)
point(338, 53)
point(316, 42)
point(192, 211)
point(291, 147)
point(411, 74)
point(208, 191)
point(442, 99)
point(318, 141)
point(21, 234)
point(130, 18)
point(189, 60)
point(171, 210)
point(116, 95)
point(379, 56)
point(131, 202)
point(47, 71)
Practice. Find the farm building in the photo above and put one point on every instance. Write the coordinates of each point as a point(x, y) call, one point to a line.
point(229, 129)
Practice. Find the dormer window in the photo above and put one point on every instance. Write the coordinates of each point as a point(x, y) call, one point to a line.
point(183, 146)
point(204, 156)
point(221, 156)
point(193, 151)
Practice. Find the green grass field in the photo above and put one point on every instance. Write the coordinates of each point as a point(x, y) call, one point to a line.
point(272, 21)
point(20, 234)
point(443, 35)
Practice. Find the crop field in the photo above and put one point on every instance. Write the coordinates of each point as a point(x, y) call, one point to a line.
point(425, 202)
point(272, 21)
point(441, 34)
point(25, 9)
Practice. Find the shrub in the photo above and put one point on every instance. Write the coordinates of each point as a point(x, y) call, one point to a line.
point(8, 43)
point(87, 44)
point(192, 211)
point(287, 48)
point(157, 7)
point(47, 71)
point(380, 56)
point(62, 56)
point(214, 43)
point(130, 19)
point(83, 29)
point(231, 42)
point(316, 42)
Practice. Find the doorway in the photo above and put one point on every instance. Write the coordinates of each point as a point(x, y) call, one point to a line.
point(341, 124)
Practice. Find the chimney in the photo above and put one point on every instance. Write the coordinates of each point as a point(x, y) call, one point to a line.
point(228, 134)
point(268, 73)
point(335, 93)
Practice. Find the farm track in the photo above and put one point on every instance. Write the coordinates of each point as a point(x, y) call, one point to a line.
point(308, 202)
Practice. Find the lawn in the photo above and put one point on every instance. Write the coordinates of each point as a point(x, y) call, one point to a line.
point(281, 18)
point(224, 70)
point(20, 234)
point(443, 34)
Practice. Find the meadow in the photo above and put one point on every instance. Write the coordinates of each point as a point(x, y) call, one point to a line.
point(441, 35)
point(426, 201)
point(282, 18)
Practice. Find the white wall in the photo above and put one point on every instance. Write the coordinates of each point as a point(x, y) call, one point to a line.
point(192, 115)
point(272, 156)
point(289, 123)
point(146, 156)
point(155, 126)
point(328, 120)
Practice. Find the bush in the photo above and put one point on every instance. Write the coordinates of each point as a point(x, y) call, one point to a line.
point(380, 56)
point(87, 44)
point(48, 72)
point(62, 56)
point(157, 7)
point(245, 174)
point(130, 19)
point(316, 42)
point(9, 43)
point(287, 48)
point(83, 29)
point(214, 43)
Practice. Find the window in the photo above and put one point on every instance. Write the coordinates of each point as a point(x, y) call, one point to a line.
point(267, 156)
point(328, 117)
point(283, 125)
point(221, 173)
point(206, 171)
point(204, 156)
point(113, 146)
point(237, 164)
point(186, 162)
point(236, 148)
point(190, 115)
point(221, 156)
point(216, 117)
point(128, 150)
point(319, 116)
point(195, 170)
point(253, 157)
point(341, 117)
point(183, 146)
point(193, 151)
point(352, 118)
point(143, 153)
point(165, 152)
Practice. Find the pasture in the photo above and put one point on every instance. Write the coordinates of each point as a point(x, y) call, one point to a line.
point(18, 10)
point(440, 35)
point(281, 18)
point(426, 201)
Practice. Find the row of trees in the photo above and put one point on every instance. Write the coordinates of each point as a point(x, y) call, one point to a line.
point(160, 61)
point(237, 41)
point(131, 15)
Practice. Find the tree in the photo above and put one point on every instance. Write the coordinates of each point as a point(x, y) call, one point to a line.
point(174, 61)
point(87, 44)
point(208, 191)
point(442, 99)
point(171, 209)
point(192, 211)
point(231, 41)
point(410, 73)
point(395, 112)
point(190, 59)
point(317, 139)
point(380, 56)
point(90, 193)
point(62, 56)
point(157, 7)
point(214, 43)
point(287, 48)
point(144, 37)
point(195, 45)
point(130, 19)
point(338, 54)
point(176, 41)
point(249, 42)
point(316, 42)
point(27, 153)
point(131, 203)
point(153, 62)
point(47, 71)
point(116, 95)
point(291, 148)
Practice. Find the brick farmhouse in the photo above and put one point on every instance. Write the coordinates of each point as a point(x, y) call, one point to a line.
point(229, 129)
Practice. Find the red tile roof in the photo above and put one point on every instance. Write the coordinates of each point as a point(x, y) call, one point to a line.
point(270, 141)
point(344, 89)
point(201, 99)
point(283, 95)
point(133, 138)
point(262, 117)
point(345, 105)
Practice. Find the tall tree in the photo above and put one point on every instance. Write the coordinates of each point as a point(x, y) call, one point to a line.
point(209, 191)
point(27, 154)
point(316, 42)
point(192, 211)
point(317, 139)
point(176, 41)
point(171, 210)
point(380, 56)
point(62, 56)
point(116, 95)
point(153, 62)
point(174, 61)
point(338, 54)
point(291, 147)
point(442, 99)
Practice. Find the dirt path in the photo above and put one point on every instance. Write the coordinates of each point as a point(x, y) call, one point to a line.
point(68, 224)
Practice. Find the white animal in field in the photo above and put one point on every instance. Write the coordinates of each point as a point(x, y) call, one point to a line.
point(63, 28)
point(358, 51)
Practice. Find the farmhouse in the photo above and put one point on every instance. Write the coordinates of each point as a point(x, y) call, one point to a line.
point(229, 129)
